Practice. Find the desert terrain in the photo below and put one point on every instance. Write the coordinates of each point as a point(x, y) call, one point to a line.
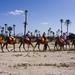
point(37, 63)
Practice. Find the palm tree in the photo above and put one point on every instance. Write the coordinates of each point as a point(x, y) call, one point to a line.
point(5, 28)
point(67, 22)
point(25, 23)
point(14, 28)
point(53, 34)
point(49, 30)
point(61, 20)
point(9, 29)
point(35, 32)
point(2, 31)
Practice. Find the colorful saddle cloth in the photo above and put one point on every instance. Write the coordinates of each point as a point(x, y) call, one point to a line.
point(1, 39)
point(12, 40)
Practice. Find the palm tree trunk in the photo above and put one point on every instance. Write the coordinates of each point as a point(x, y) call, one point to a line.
point(25, 22)
point(61, 28)
point(67, 29)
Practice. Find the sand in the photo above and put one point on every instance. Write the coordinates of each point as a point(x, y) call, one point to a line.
point(37, 63)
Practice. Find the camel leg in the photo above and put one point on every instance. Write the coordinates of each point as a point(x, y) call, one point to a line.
point(55, 46)
point(32, 46)
point(2, 48)
point(69, 45)
point(7, 46)
point(39, 47)
point(13, 47)
point(45, 47)
point(35, 46)
point(24, 46)
point(20, 47)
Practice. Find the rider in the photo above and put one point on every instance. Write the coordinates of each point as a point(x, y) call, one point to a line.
point(28, 35)
point(6, 37)
point(64, 36)
point(61, 39)
point(45, 38)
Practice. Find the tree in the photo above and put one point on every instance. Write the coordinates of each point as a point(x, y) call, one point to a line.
point(53, 33)
point(67, 22)
point(61, 21)
point(5, 27)
point(35, 32)
point(25, 23)
point(9, 29)
point(49, 31)
point(2, 30)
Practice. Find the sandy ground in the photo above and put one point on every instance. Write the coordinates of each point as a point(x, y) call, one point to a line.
point(37, 63)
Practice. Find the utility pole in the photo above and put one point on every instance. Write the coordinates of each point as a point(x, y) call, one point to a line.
point(25, 23)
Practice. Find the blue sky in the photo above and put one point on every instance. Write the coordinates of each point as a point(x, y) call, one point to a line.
point(42, 14)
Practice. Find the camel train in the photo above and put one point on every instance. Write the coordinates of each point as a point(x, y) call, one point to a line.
point(60, 42)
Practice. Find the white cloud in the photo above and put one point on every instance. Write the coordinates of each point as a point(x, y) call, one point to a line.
point(16, 12)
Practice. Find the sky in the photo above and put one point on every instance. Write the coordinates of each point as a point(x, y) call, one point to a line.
point(41, 15)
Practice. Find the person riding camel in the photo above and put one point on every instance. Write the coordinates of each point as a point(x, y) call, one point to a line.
point(65, 36)
point(45, 39)
point(6, 38)
point(28, 36)
point(61, 39)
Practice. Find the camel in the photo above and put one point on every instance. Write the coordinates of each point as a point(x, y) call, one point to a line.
point(9, 40)
point(43, 41)
point(61, 43)
point(25, 40)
